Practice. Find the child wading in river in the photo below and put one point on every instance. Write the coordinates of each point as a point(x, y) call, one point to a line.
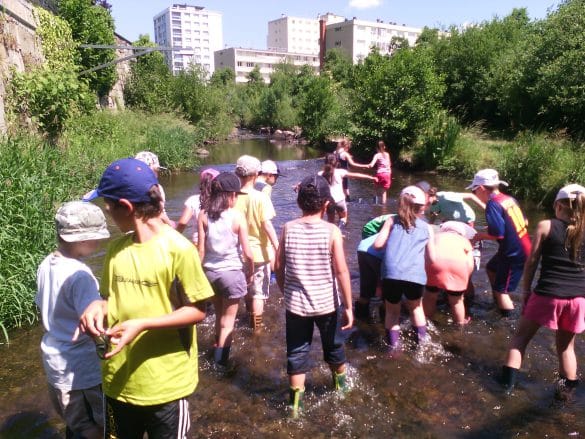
point(308, 262)
point(66, 286)
point(558, 299)
point(223, 237)
point(407, 238)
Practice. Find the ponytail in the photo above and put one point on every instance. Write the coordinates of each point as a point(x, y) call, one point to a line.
point(329, 167)
point(219, 201)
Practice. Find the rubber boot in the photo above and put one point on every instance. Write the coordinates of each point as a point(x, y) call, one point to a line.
point(340, 382)
point(565, 389)
point(362, 311)
point(393, 340)
point(221, 355)
point(256, 322)
point(421, 335)
point(508, 380)
point(296, 402)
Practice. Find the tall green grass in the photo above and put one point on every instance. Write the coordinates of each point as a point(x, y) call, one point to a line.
point(36, 177)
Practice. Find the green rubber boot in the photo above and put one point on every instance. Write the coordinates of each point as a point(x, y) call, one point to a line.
point(296, 402)
point(340, 382)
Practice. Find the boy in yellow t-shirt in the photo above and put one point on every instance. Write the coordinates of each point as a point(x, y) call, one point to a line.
point(154, 290)
point(259, 211)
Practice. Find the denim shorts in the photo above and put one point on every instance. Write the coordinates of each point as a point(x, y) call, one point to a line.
point(508, 273)
point(299, 336)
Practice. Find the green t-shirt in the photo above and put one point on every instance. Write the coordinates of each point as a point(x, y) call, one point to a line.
point(374, 226)
point(152, 279)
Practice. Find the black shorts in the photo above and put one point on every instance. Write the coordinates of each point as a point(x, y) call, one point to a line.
point(369, 274)
point(169, 420)
point(392, 290)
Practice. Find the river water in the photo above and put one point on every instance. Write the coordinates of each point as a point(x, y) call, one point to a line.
point(449, 390)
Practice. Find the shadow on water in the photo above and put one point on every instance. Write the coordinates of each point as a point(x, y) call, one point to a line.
point(447, 390)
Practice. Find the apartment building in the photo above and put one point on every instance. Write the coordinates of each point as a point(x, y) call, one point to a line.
point(356, 37)
point(242, 61)
point(296, 34)
point(196, 32)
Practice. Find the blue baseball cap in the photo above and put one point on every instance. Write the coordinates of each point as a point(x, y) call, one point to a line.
point(128, 178)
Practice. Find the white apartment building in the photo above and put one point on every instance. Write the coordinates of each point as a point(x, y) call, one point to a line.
point(196, 30)
point(296, 34)
point(356, 37)
point(243, 61)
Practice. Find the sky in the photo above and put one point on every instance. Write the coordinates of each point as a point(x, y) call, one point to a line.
point(245, 22)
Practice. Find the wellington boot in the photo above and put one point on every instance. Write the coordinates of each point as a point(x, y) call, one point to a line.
point(508, 379)
point(296, 401)
point(340, 382)
point(565, 390)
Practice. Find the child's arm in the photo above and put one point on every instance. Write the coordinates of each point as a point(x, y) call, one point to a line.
point(431, 252)
point(269, 230)
point(184, 220)
point(362, 176)
point(242, 231)
point(123, 333)
point(382, 237)
point(474, 198)
point(542, 231)
point(279, 263)
point(201, 227)
point(342, 274)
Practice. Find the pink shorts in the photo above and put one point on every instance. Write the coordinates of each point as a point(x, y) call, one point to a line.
point(556, 313)
point(384, 180)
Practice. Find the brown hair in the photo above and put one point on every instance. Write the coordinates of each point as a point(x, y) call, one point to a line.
point(329, 167)
point(576, 228)
point(219, 201)
point(408, 211)
point(152, 208)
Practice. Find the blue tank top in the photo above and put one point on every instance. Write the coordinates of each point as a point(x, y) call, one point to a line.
point(405, 253)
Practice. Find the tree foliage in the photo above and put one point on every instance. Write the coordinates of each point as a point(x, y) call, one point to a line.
point(92, 24)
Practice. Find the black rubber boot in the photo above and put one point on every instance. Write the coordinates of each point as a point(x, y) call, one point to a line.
point(508, 379)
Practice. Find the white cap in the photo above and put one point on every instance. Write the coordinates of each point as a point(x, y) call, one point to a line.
point(269, 167)
point(486, 177)
point(417, 194)
point(569, 192)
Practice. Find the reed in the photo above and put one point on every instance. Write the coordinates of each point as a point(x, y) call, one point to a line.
point(36, 178)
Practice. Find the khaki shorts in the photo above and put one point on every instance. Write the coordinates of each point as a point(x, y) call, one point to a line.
point(82, 410)
point(260, 286)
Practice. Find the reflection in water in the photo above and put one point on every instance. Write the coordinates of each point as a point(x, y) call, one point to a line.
point(447, 390)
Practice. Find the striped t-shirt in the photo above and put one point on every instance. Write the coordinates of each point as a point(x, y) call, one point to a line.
point(309, 284)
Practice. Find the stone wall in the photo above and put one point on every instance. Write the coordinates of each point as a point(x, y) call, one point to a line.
point(20, 49)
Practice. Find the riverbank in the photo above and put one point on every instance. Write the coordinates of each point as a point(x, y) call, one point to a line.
point(36, 177)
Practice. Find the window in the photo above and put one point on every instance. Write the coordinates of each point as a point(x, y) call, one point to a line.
point(249, 64)
point(239, 63)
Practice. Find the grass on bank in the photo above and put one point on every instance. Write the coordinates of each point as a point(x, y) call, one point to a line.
point(36, 178)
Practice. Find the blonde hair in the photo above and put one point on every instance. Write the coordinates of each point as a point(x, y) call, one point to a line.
point(408, 211)
point(575, 210)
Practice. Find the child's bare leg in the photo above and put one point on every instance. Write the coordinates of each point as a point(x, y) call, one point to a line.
point(526, 330)
point(566, 352)
point(392, 321)
point(228, 318)
point(457, 308)
point(416, 312)
point(297, 381)
point(218, 307)
point(430, 302)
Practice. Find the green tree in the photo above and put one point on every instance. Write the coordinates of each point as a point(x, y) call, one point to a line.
point(149, 85)
point(92, 24)
point(395, 97)
point(559, 83)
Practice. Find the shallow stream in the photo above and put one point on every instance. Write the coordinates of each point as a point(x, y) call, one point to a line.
point(448, 390)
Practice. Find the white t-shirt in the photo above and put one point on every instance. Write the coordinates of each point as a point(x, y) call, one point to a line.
point(336, 186)
point(193, 203)
point(66, 287)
